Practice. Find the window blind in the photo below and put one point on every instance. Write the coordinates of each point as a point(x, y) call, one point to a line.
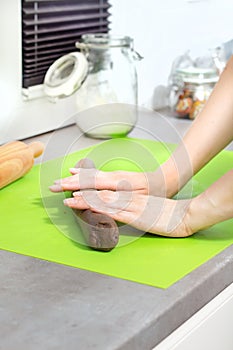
point(51, 28)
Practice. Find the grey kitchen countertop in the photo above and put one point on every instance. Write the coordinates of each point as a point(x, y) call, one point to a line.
point(44, 305)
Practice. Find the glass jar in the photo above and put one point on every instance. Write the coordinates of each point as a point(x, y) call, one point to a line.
point(104, 77)
point(191, 89)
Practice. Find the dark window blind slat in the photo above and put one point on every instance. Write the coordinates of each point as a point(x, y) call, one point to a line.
point(49, 45)
point(64, 27)
point(66, 19)
point(45, 53)
point(55, 1)
point(31, 40)
point(50, 29)
point(64, 9)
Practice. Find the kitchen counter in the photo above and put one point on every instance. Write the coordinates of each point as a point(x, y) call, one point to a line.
point(48, 306)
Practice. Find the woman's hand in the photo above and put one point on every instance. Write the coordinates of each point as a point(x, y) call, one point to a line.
point(157, 215)
point(162, 216)
point(85, 179)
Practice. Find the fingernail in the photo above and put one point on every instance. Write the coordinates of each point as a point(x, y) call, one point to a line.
point(74, 170)
point(56, 188)
point(68, 201)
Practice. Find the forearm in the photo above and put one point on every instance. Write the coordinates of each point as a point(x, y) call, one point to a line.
point(213, 205)
point(211, 131)
point(213, 128)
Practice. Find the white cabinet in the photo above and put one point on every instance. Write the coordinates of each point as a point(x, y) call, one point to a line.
point(210, 328)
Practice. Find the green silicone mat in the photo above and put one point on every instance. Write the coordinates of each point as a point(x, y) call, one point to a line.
point(35, 222)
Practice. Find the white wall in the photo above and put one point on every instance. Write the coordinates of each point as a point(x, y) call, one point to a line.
point(165, 29)
point(161, 29)
point(18, 118)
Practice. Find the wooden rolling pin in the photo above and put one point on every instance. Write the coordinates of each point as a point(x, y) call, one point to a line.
point(99, 230)
point(16, 159)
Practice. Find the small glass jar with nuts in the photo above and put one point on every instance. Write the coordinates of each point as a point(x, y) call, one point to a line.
point(191, 89)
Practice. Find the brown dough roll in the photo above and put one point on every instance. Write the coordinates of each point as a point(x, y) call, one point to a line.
point(99, 230)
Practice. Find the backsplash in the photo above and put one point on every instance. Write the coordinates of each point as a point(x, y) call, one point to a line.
point(161, 32)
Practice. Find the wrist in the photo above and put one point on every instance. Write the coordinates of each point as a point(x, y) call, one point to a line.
point(171, 178)
point(177, 170)
point(202, 213)
point(163, 182)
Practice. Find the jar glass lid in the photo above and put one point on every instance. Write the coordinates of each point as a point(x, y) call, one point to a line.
point(66, 75)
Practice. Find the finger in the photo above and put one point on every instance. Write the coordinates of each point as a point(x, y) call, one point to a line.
point(95, 199)
point(74, 171)
point(138, 210)
point(76, 203)
point(86, 200)
point(118, 215)
point(72, 183)
point(112, 199)
point(83, 179)
point(109, 202)
point(55, 188)
point(67, 184)
point(100, 180)
point(121, 181)
point(113, 181)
